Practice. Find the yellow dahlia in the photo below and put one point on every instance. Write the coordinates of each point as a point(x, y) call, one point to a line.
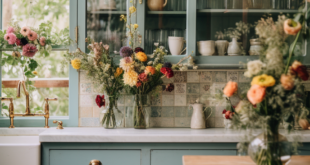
point(141, 56)
point(132, 9)
point(263, 81)
point(76, 63)
point(131, 78)
point(136, 26)
point(118, 72)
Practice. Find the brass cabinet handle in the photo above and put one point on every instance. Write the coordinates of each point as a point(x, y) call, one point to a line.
point(95, 162)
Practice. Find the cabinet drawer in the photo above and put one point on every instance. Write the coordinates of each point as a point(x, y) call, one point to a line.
point(83, 157)
point(174, 157)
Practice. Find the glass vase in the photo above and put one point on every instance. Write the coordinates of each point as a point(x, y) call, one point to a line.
point(270, 147)
point(109, 120)
point(140, 112)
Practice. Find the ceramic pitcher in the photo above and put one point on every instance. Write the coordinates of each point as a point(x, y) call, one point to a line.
point(156, 5)
point(234, 48)
point(198, 118)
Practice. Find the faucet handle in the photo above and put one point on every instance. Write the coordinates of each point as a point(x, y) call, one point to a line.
point(59, 124)
point(6, 99)
point(50, 99)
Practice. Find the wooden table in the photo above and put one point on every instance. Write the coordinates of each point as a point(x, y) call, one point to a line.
point(235, 160)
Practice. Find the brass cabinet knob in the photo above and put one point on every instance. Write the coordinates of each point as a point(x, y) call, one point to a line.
point(95, 162)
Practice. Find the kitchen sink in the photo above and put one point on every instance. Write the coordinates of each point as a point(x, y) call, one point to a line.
point(23, 150)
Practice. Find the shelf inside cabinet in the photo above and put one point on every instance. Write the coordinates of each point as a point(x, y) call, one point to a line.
point(107, 12)
point(215, 61)
point(246, 11)
point(167, 12)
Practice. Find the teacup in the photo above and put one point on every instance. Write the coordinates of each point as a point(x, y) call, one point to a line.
point(176, 45)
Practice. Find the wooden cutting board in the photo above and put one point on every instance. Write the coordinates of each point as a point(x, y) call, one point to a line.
point(235, 160)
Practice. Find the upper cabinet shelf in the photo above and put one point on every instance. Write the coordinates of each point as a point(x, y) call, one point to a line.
point(107, 12)
point(246, 11)
point(167, 12)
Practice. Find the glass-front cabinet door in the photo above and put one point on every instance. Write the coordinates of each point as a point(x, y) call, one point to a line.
point(218, 33)
point(104, 23)
point(165, 25)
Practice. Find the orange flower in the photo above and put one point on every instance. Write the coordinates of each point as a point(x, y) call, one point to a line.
point(256, 94)
point(287, 82)
point(230, 89)
point(149, 69)
point(291, 27)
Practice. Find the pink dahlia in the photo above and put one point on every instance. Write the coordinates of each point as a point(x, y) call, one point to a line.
point(24, 31)
point(11, 38)
point(32, 35)
point(42, 41)
point(29, 50)
point(10, 30)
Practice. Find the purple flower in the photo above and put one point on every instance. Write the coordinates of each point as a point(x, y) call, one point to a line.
point(126, 51)
point(167, 65)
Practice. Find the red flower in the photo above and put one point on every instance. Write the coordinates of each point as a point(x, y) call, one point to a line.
point(143, 77)
point(229, 115)
point(18, 43)
point(138, 84)
point(167, 72)
point(302, 72)
point(100, 101)
point(163, 70)
point(169, 87)
point(224, 111)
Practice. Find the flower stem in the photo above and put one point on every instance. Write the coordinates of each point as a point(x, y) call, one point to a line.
point(291, 53)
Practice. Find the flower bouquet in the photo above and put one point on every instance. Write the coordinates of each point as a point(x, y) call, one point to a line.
point(142, 77)
point(103, 73)
point(276, 91)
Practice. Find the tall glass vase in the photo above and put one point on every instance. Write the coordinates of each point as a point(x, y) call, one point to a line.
point(270, 147)
point(109, 120)
point(140, 113)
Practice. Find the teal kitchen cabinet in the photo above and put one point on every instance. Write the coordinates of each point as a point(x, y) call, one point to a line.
point(135, 153)
point(174, 157)
point(83, 157)
point(195, 20)
point(129, 153)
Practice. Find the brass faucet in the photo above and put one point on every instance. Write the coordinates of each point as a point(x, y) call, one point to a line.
point(27, 112)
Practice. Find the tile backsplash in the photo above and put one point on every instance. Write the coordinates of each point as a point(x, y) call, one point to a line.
point(169, 109)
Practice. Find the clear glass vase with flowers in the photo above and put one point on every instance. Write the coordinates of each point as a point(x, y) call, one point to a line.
point(104, 74)
point(276, 90)
point(141, 77)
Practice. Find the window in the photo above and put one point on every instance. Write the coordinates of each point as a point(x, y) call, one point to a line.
point(53, 77)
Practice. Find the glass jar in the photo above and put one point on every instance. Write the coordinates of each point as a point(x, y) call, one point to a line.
point(141, 111)
point(256, 47)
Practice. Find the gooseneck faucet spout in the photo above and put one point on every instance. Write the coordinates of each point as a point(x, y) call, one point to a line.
point(23, 84)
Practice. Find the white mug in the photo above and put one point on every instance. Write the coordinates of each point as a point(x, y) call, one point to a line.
point(176, 45)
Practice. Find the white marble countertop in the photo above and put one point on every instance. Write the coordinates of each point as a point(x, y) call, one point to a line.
point(160, 135)
point(130, 135)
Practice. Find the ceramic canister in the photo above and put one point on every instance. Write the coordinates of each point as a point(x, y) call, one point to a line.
point(206, 48)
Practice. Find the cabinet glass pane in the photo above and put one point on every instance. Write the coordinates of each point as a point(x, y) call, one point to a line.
point(166, 19)
point(216, 20)
point(104, 24)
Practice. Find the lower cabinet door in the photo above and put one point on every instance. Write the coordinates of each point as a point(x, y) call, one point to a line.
point(174, 157)
point(83, 157)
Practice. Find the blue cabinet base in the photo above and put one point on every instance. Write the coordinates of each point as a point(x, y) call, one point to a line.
point(135, 153)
